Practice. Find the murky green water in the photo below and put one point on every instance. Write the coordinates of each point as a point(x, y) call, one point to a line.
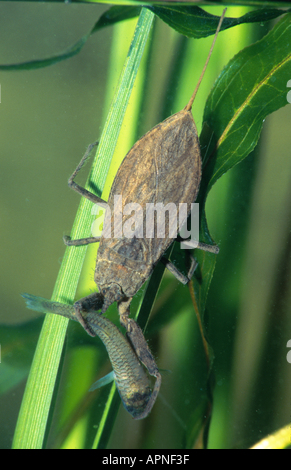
point(47, 119)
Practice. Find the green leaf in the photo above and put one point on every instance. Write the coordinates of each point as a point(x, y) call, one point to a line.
point(37, 64)
point(112, 16)
point(252, 85)
point(194, 22)
point(190, 21)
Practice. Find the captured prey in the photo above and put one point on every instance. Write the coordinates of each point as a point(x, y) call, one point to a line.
point(132, 381)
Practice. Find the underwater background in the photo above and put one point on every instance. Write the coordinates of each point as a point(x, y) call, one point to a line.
point(48, 117)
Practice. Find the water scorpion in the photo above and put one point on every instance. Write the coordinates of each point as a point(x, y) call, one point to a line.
point(163, 167)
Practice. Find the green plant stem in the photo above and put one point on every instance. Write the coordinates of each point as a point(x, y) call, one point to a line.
point(35, 407)
point(199, 320)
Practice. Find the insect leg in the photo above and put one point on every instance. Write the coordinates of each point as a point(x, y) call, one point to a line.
point(137, 339)
point(80, 241)
point(141, 349)
point(143, 352)
point(140, 346)
point(178, 275)
point(87, 194)
point(199, 245)
point(85, 305)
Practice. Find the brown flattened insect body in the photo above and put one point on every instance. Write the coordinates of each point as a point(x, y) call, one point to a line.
point(148, 174)
point(124, 264)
